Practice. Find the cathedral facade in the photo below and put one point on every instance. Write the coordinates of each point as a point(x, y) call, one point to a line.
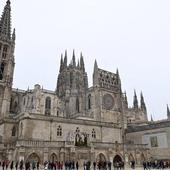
point(73, 122)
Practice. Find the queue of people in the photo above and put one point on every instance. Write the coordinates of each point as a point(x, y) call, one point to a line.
point(157, 164)
point(19, 165)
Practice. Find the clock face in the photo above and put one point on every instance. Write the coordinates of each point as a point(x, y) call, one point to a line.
point(108, 101)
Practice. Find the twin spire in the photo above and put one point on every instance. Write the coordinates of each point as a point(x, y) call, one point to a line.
point(142, 102)
point(80, 64)
point(5, 23)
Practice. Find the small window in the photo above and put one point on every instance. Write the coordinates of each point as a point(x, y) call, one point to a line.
point(24, 102)
point(5, 51)
point(93, 134)
point(2, 66)
point(48, 106)
point(57, 113)
point(89, 101)
point(59, 131)
point(77, 105)
point(14, 131)
point(154, 141)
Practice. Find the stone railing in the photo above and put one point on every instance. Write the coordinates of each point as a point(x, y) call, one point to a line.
point(39, 143)
point(119, 146)
point(136, 146)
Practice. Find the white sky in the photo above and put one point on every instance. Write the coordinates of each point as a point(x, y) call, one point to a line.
point(132, 35)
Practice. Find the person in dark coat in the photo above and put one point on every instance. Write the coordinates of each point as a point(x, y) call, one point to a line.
point(12, 165)
point(3, 165)
point(77, 165)
point(16, 165)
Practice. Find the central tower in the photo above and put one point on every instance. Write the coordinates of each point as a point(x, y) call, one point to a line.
point(72, 86)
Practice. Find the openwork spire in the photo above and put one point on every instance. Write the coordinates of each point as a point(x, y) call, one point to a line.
point(82, 63)
point(5, 21)
point(142, 102)
point(168, 112)
point(135, 100)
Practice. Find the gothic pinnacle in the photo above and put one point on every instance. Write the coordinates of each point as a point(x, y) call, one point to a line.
point(82, 63)
point(142, 102)
point(13, 35)
point(65, 59)
point(168, 111)
point(73, 59)
point(135, 100)
point(61, 63)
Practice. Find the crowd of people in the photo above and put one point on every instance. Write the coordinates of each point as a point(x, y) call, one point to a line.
point(19, 165)
point(156, 164)
point(74, 165)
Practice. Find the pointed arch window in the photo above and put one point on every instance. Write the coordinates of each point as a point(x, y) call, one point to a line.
point(77, 130)
point(89, 101)
point(2, 66)
point(59, 131)
point(48, 106)
point(15, 107)
point(93, 134)
point(13, 131)
point(5, 52)
point(77, 105)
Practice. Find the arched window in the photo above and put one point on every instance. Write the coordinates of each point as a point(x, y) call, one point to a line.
point(24, 101)
point(77, 105)
point(77, 130)
point(2, 66)
point(5, 52)
point(48, 106)
point(93, 134)
point(15, 107)
point(13, 131)
point(57, 113)
point(89, 101)
point(59, 131)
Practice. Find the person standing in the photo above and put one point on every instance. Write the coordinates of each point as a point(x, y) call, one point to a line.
point(77, 165)
point(38, 165)
point(3, 165)
point(12, 165)
point(16, 165)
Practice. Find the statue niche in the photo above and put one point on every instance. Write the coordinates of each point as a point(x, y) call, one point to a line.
point(81, 139)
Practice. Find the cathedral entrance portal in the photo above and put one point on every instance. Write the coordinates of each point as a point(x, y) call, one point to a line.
point(101, 158)
point(33, 157)
point(117, 161)
point(53, 157)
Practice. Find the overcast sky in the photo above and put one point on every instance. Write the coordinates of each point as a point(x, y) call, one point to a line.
point(131, 35)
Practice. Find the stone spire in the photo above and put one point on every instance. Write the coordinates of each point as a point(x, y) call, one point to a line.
point(74, 59)
point(168, 112)
point(13, 35)
point(61, 63)
point(135, 100)
point(125, 100)
point(82, 63)
point(65, 59)
point(118, 77)
point(95, 74)
point(142, 102)
point(5, 22)
point(78, 64)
